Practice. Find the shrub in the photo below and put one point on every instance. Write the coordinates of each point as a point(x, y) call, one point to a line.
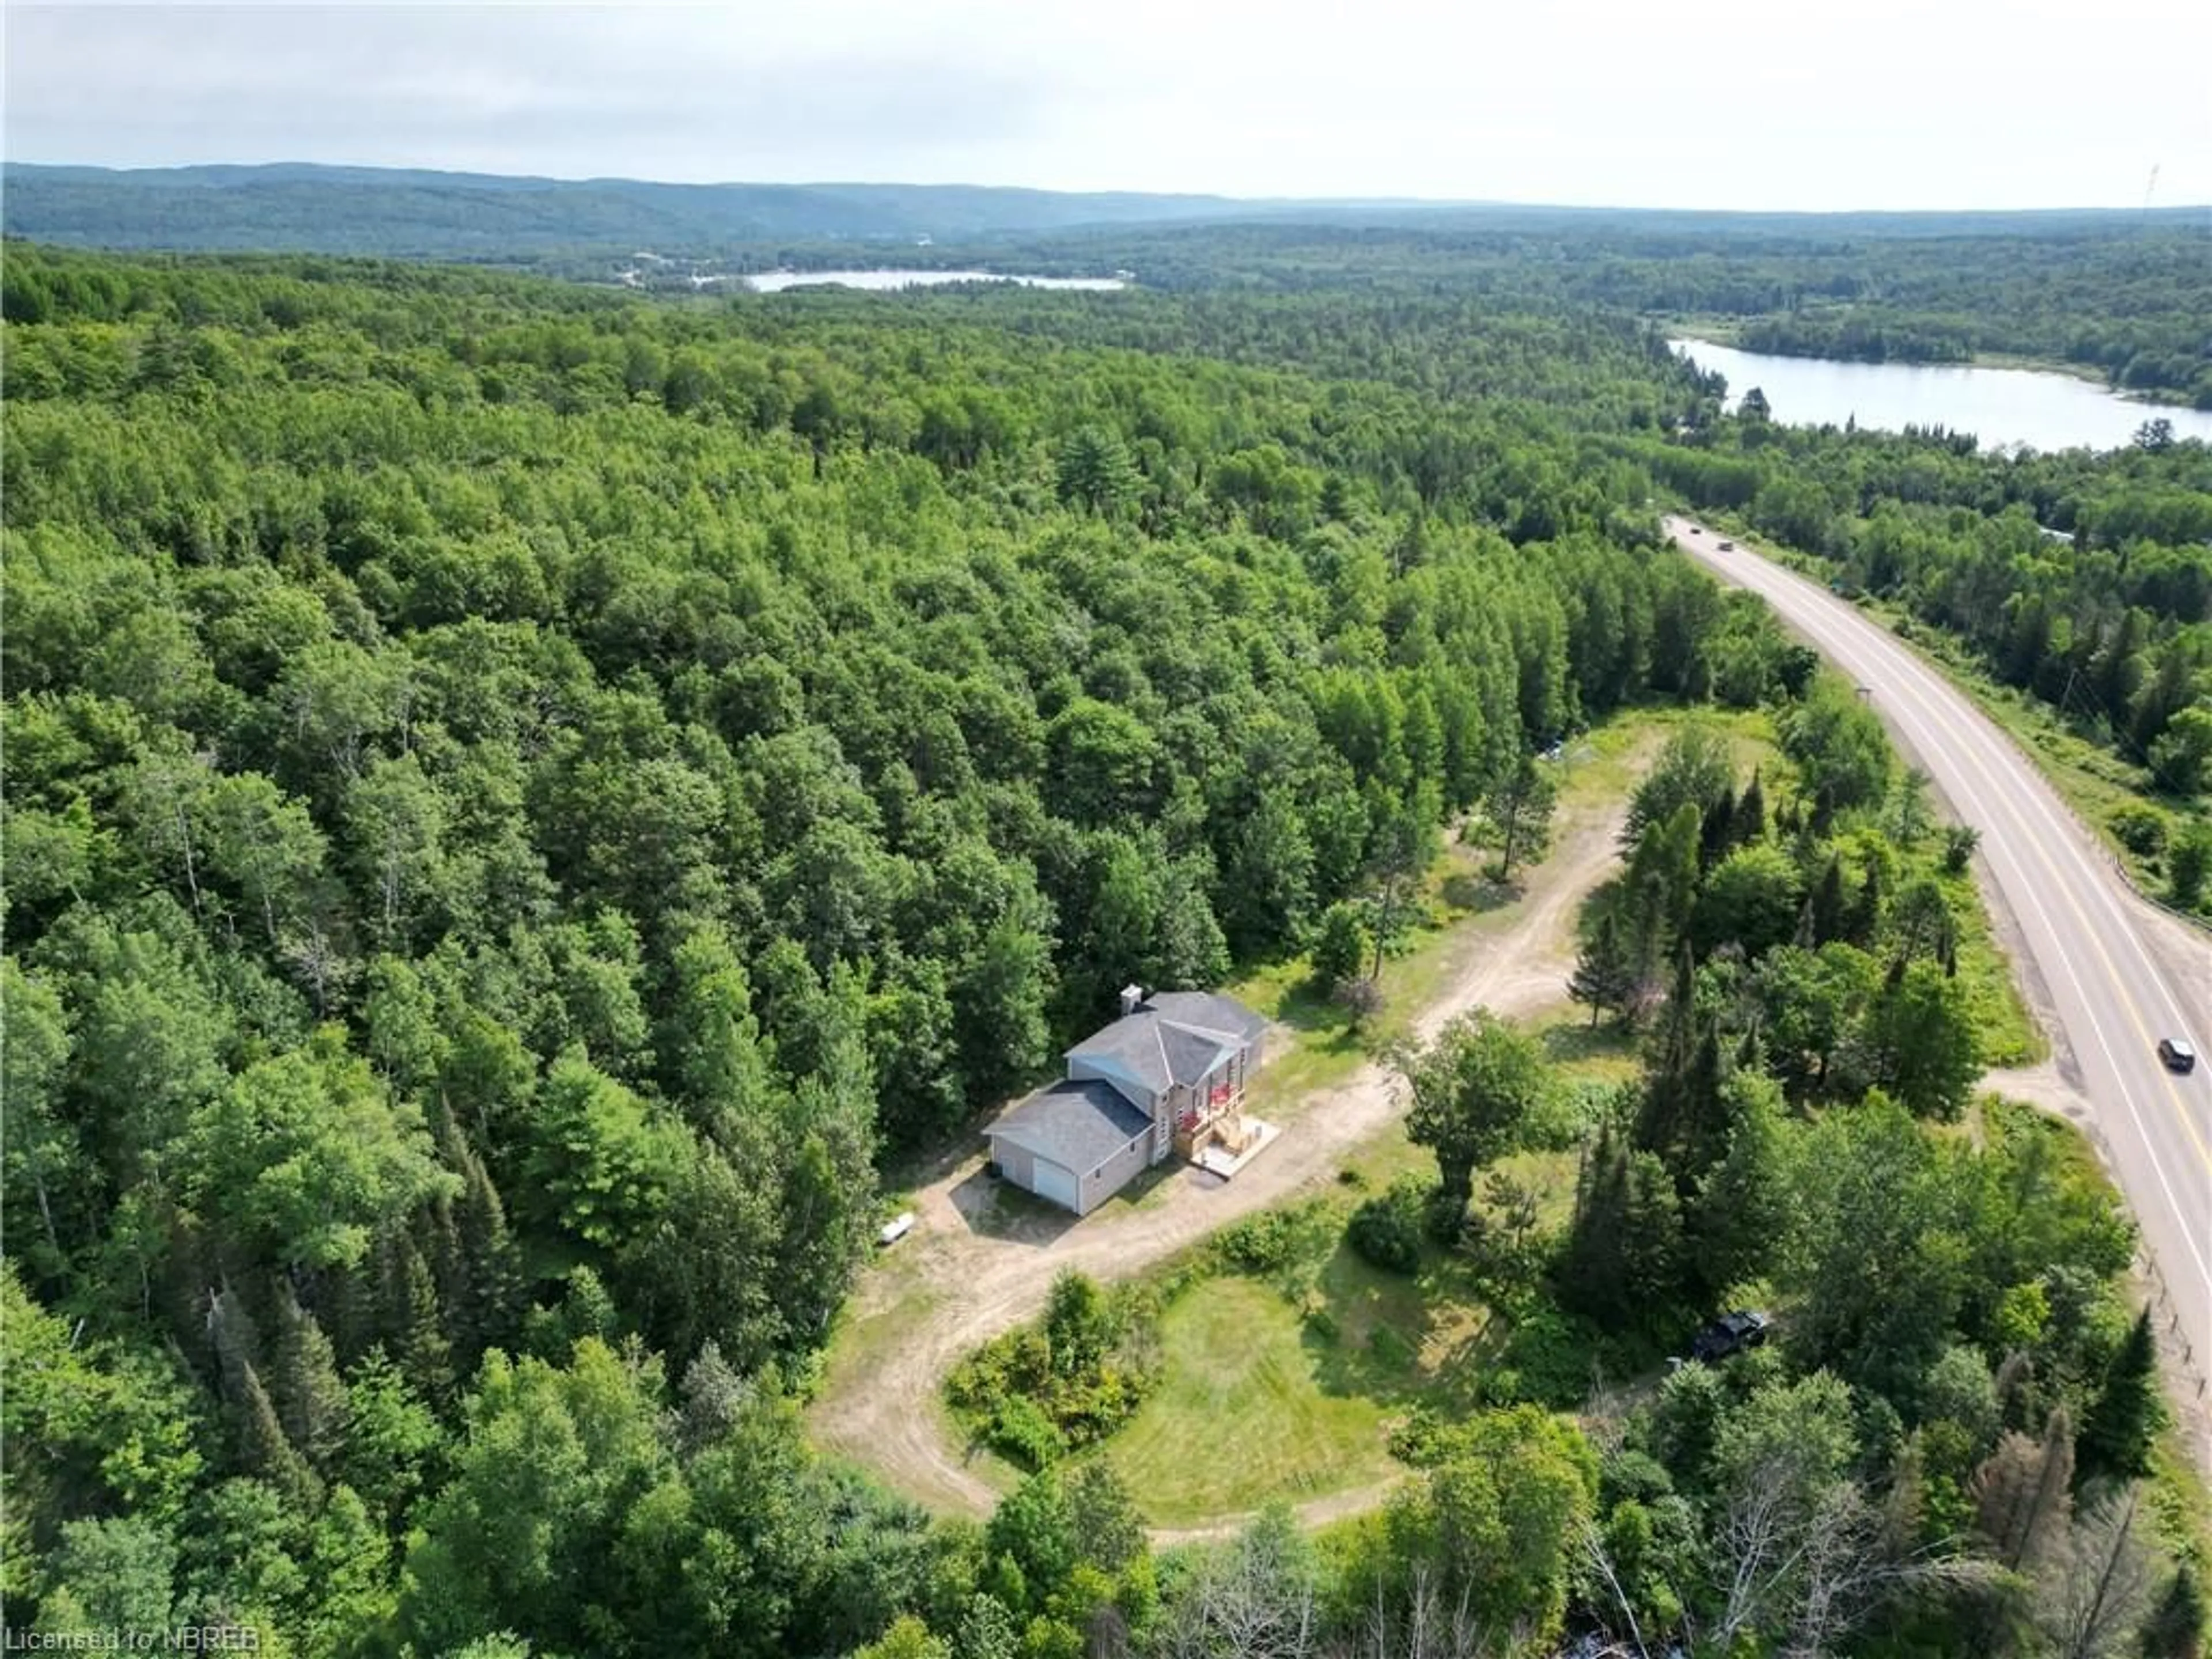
point(1422, 1441)
point(1277, 1241)
point(1258, 1245)
point(1020, 1429)
point(1444, 1216)
point(2140, 828)
point(1390, 1349)
point(2190, 865)
point(1566, 1117)
point(1386, 1229)
point(1360, 997)
point(1341, 946)
point(1037, 1392)
point(1549, 1358)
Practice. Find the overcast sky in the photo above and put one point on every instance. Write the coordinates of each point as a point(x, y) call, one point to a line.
point(1737, 104)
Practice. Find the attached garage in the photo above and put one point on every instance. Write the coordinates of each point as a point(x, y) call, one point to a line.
point(1075, 1144)
point(1049, 1180)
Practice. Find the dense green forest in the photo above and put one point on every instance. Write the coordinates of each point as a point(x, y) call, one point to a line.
point(427, 214)
point(2121, 294)
point(2083, 581)
point(2124, 295)
point(523, 802)
point(518, 799)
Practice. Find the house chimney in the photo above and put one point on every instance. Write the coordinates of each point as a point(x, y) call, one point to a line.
point(1132, 998)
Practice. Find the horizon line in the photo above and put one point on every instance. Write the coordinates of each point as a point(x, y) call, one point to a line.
point(1337, 201)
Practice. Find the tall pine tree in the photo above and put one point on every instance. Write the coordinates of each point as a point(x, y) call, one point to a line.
point(412, 1319)
point(2127, 1414)
point(263, 1447)
point(2175, 1628)
point(486, 1311)
point(310, 1395)
point(1604, 975)
point(1750, 824)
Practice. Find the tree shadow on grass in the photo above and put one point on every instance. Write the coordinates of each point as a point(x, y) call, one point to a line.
point(908, 1172)
point(1478, 894)
point(1368, 1332)
point(1567, 1043)
point(1308, 1005)
point(1310, 1009)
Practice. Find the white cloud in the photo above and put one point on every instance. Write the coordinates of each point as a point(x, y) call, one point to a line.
point(1883, 103)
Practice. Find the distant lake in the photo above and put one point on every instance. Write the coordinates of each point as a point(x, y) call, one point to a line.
point(774, 282)
point(2000, 406)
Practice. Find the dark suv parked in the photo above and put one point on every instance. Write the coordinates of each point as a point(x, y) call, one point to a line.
point(1731, 1332)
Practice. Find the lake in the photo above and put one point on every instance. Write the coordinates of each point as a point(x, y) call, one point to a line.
point(2000, 406)
point(774, 282)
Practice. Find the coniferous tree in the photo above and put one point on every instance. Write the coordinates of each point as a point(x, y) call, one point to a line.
point(1717, 829)
point(309, 1394)
point(2017, 1390)
point(1521, 805)
point(232, 1336)
point(1683, 1121)
point(1750, 825)
point(2124, 1418)
point(1592, 1267)
point(439, 1238)
point(1095, 470)
point(263, 1447)
point(1863, 926)
point(1604, 978)
point(412, 1319)
point(1623, 1258)
point(2175, 1627)
point(1741, 1213)
point(491, 1265)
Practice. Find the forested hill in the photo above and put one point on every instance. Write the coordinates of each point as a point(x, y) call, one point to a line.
point(293, 206)
point(415, 213)
point(519, 798)
point(2123, 294)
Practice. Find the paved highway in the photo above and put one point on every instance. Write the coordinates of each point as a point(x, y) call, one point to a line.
point(2087, 936)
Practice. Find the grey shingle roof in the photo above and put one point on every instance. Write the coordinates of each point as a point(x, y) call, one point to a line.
point(1173, 1036)
point(1078, 1125)
point(1209, 1011)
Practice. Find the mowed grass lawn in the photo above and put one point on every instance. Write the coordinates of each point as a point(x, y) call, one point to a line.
point(1264, 1395)
point(1246, 1412)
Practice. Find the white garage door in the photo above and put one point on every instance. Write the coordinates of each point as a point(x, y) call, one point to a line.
point(1054, 1182)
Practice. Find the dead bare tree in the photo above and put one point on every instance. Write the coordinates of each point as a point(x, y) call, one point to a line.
point(1805, 1567)
point(1600, 1558)
point(1752, 1543)
point(1421, 1624)
point(2091, 1601)
point(1253, 1599)
point(2022, 1494)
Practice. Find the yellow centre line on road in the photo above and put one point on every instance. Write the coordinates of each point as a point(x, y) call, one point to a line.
point(2122, 988)
point(1927, 715)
